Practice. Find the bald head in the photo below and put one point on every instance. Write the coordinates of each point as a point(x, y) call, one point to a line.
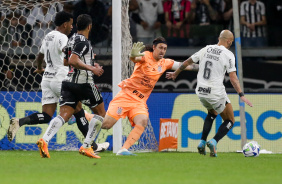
point(226, 38)
point(226, 34)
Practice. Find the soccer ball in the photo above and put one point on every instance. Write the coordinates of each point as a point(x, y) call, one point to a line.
point(251, 149)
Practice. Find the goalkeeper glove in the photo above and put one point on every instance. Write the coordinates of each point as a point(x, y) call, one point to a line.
point(136, 48)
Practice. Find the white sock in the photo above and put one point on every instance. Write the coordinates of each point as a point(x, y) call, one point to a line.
point(53, 128)
point(93, 130)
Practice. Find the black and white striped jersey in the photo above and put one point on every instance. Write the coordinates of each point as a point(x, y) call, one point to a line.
point(252, 14)
point(80, 46)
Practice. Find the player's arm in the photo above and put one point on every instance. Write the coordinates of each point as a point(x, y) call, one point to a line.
point(39, 61)
point(75, 61)
point(183, 66)
point(192, 67)
point(135, 54)
point(235, 83)
point(66, 62)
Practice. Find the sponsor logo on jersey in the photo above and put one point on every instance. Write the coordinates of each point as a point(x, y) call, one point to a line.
point(214, 51)
point(137, 93)
point(49, 74)
point(204, 90)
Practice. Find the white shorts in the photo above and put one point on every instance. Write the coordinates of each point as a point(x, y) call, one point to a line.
point(51, 91)
point(217, 104)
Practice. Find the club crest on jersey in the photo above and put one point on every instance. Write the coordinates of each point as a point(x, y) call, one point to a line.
point(119, 110)
point(159, 68)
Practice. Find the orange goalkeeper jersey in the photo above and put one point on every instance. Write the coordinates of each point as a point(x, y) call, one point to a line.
point(145, 76)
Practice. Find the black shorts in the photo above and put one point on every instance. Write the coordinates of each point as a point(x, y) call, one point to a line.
point(72, 93)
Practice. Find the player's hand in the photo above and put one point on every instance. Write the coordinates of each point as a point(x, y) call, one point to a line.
point(244, 99)
point(98, 70)
point(170, 75)
point(97, 65)
point(39, 70)
point(136, 49)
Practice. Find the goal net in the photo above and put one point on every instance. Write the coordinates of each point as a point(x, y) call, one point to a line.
point(22, 28)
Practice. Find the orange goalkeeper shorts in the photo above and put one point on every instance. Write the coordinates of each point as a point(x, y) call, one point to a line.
point(124, 105)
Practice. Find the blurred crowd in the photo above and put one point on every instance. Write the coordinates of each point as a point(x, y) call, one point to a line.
point(181, 22)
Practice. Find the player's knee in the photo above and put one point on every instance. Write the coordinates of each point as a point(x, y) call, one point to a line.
point(47, 118)
point(142, 122)
point(106, 125)
point(102, 113)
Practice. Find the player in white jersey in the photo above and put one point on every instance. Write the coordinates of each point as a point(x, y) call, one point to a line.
point(214, 61)
point(78, 86)
point(52, 50)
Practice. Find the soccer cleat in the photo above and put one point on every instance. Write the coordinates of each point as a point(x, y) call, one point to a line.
point(102, 147)
point(88, 152)
point(72, 120)
point(13, 128)
point(202, 147)
point(43, 148)
point(212, 145)
point(125, 152)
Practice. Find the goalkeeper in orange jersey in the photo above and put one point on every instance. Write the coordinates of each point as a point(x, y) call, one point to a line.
point(131, 100)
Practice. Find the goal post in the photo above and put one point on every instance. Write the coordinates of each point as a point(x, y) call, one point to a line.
point(116, 67)
point(239, 70)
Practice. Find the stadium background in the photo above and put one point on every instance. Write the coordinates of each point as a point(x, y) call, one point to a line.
point(262, 82)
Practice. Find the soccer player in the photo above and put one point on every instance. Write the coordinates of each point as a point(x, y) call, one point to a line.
point(51, 50)
point(131, 100)
point(78, 86)
point(214, 61)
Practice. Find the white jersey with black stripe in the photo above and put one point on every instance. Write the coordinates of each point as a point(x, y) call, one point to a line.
point(80, 46)
point(214, 61)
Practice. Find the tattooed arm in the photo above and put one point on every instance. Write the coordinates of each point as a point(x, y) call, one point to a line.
point(183, 66)
point(235, 83)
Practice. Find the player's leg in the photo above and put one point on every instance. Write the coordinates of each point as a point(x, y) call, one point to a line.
point(207, 125)
point(49, 104)
point(67, 107)
point(94, 124)
point(138, 117)
point(92, 97)
point(228, 120)
point(226, 112)
point(54, 126)
point(141, 122)
point(211, 116)
point(82, 119)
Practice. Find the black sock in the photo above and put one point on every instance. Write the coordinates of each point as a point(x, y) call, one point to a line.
point(208, 125)
point(82, 125)
point(223, 129)
point(35, 118)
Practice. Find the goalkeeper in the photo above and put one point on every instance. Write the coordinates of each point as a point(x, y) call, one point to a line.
point(131, 100)
point(52, 51)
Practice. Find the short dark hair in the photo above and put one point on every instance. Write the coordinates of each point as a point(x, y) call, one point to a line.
point(155, 42)
point(62, 17)
point(83, 21)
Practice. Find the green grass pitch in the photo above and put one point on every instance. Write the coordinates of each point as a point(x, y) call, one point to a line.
point(26, 167)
